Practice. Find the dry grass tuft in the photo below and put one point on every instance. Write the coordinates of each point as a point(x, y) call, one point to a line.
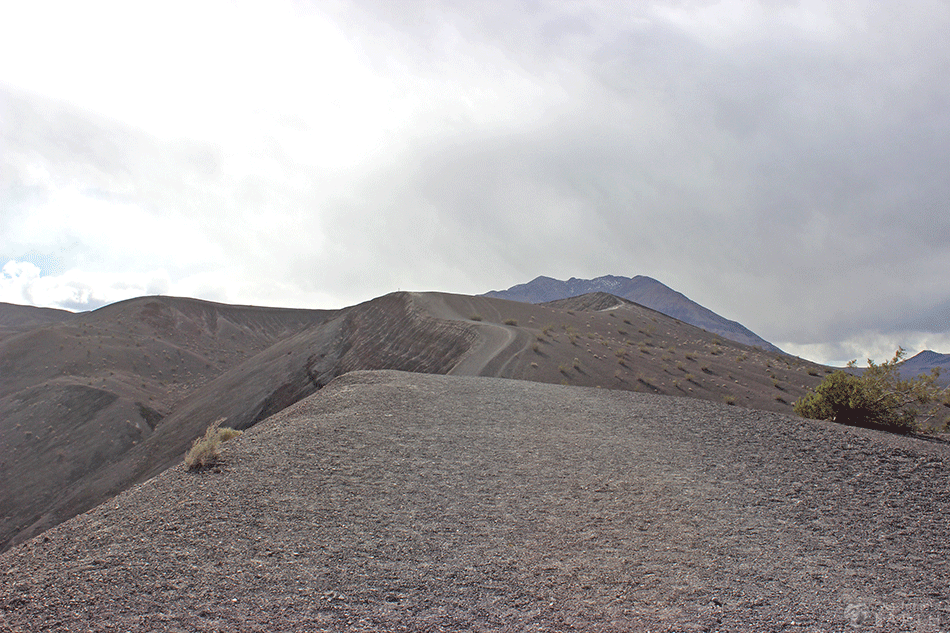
point(205, 451)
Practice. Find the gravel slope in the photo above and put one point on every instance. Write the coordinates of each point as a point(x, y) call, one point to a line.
point(394, 501)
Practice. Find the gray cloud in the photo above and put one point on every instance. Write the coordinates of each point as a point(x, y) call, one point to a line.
point(784, 164)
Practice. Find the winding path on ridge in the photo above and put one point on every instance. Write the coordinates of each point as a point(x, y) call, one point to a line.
point(498, 345)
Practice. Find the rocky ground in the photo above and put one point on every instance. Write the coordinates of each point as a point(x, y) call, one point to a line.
point(394, 501)
point(107, 399)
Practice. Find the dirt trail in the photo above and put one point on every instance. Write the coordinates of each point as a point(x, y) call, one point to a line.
point(498, 345)
point(393, 501)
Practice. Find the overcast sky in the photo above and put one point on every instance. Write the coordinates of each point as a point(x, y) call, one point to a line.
point(784, 164)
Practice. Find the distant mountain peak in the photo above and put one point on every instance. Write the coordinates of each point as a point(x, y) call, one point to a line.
point(640, 289)
point(924, 362)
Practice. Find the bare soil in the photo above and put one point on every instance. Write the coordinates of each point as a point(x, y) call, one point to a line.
point(107, 399)
point(405, 502)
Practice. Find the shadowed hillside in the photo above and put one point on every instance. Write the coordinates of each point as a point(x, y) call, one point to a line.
point(109, 398)
point(78, 393)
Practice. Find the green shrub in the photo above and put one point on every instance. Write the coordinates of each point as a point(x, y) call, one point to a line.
point(205, 451)
point(879, 398)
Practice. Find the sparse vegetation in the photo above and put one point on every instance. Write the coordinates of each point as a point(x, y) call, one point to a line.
point(878, 398)
point(205, 451)
point(729, 399)
point(475, 317)
point(511, 321)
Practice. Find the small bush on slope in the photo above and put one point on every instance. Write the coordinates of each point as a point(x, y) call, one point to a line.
point(878, 398)
point(205, 451)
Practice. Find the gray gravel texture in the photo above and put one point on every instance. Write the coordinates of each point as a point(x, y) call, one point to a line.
point(391, 501)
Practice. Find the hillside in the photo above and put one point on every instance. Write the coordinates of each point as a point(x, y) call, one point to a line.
point(16, 318)
point(645, 291)
point(110, 398)
point(81, 392)
point(392, 501)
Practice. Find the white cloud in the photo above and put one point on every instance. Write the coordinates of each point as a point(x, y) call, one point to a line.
point(726, 23)
point(23, 283)
point(103, 234)
point(877, 346)
point(781, 163)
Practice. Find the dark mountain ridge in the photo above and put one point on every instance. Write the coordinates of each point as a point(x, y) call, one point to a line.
point(645, 291)
point(924, 363)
